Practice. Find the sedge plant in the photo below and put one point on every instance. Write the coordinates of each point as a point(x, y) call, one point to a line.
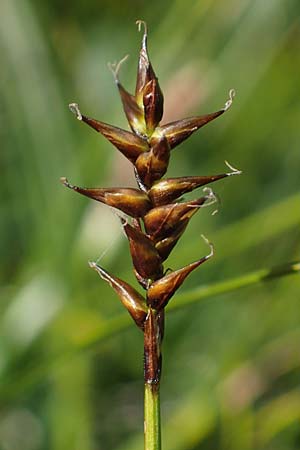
point(154, 216)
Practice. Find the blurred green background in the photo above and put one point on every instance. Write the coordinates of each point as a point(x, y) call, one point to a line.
point(70, 366)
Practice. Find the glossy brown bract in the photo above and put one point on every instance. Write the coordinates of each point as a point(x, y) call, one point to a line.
point(156, 215)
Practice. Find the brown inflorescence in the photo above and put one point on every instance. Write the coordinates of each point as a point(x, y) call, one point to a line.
point(158, 216)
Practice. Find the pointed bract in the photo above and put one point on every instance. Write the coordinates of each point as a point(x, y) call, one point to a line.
point(176, 132)
point(130, 201)
point(131, 299)
point(128, 143)
point(168, 190)
point(161, 291)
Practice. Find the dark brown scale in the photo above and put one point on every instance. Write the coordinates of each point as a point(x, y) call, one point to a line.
point(145, 257)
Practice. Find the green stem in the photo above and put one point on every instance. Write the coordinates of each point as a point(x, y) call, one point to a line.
point(152, 417)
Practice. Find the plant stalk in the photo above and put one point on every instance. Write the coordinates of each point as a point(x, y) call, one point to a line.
point(152, 431)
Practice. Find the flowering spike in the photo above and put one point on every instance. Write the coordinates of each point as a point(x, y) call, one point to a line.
point(151, 166)
point(145, 257)
point(128, 200)
point(158, 218)
point(133, 112)
point(161, 291)
point(129, 144)
point(131, 299)
point(170, 189)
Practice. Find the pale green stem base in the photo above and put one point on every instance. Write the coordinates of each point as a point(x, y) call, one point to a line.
point(152, 417)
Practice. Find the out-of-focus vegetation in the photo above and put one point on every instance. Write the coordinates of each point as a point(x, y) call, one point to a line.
point(70, 367)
